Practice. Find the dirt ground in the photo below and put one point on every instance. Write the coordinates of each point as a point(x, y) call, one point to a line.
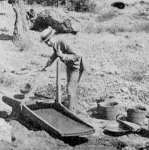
point(114, 44)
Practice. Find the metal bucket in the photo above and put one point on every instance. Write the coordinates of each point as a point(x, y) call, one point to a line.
point(108, 110)
point(137, 115)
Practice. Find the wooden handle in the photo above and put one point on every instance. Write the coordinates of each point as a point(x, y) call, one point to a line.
point(58, 86)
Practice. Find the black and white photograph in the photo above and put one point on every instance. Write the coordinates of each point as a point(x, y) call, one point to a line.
point(74, 74)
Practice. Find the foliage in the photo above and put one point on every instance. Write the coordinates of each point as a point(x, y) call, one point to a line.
point(72, 5)
point(46, 2)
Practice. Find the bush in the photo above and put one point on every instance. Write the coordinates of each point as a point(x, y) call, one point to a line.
point(45, 19)
point(76, 5)
point(43, 2)
point(91, 6)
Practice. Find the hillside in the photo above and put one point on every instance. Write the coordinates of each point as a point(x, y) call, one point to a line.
point(114, 43)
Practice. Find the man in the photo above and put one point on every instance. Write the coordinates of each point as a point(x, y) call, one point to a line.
point(74, 64)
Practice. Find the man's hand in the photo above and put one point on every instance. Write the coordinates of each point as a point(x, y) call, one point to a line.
point(59, 53)
point(43, 69)
point(50, 61)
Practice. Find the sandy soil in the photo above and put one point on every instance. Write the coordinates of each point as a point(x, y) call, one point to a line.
point(114, 44)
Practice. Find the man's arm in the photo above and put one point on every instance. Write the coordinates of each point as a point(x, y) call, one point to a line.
point(67, 55)
point(50, 61)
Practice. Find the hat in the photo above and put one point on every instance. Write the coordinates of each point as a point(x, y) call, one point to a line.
point(47, 34)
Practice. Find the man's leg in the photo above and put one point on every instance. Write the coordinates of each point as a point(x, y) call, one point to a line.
point(72, 84)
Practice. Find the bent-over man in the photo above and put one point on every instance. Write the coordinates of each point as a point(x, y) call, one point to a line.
point(69, 56)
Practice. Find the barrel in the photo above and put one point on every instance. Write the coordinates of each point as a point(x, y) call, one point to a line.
point(137, 115)
point(108, 110)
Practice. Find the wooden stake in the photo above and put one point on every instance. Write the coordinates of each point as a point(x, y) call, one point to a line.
point(58, 86)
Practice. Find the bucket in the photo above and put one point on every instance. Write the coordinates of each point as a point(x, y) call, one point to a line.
point(137, 115)
point(108, 110)
point(147, 116)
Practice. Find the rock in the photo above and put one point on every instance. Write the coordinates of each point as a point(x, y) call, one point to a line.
point(26, 89)
point(19, 96)
point(124, 90)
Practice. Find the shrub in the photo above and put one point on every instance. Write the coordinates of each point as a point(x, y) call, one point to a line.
point(43, 2)
point(76, 5)
point(81, 5)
